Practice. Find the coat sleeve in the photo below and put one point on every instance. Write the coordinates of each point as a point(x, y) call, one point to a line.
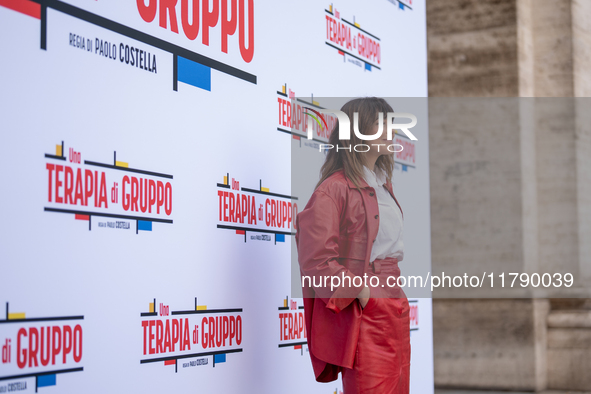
point(317, 240)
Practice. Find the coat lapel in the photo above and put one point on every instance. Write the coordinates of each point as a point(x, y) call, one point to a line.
point(389, 187)
point(364, 184)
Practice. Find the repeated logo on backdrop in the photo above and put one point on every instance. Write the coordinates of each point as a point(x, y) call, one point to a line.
point(407, 157)
point(190, 337)
point(265, 215)
point(189, 66)
point(238, 17)
point(37, 349)
point(292, 119)
point(117, 195)
point(357, 46)
point(292, 325)
point(103, 53)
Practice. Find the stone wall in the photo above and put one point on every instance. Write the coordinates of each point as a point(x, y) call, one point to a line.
point(516, 196)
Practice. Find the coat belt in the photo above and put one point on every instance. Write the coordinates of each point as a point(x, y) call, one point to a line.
point(377, 264)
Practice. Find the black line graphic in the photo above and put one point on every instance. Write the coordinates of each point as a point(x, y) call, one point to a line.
point(267, 193)
point(256, 230)
point(155, 360)
point(293, 344)
point(114, 167)
point(226, 185)
point(285, 88)
point(62, 157)
point(155, 313)
point(55, 157)
point(43, 38)
point(108, 215)
point(309, 103)
point(405, 5)
point(357, 27)
point(32, 319)
point(350, 54)
point(207, 311)
point(28, 375)
point(282, 308)
point(175, 72)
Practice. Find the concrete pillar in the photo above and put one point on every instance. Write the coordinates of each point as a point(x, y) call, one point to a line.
point(508, 48)
point(472, 48)
point(490, 344)
point(483, 167)
point(569, 350)
point(581, 31)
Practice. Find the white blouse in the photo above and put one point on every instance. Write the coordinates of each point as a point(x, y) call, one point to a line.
point(389, 242)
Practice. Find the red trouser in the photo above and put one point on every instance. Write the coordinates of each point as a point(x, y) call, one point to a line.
point(382, 362)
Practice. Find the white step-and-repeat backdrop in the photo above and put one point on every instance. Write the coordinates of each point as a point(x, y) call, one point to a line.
point(143, 159)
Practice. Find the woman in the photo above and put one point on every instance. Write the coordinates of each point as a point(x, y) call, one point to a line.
point(351, 227)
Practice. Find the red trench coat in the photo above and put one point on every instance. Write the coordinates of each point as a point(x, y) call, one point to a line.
point(335, 234)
